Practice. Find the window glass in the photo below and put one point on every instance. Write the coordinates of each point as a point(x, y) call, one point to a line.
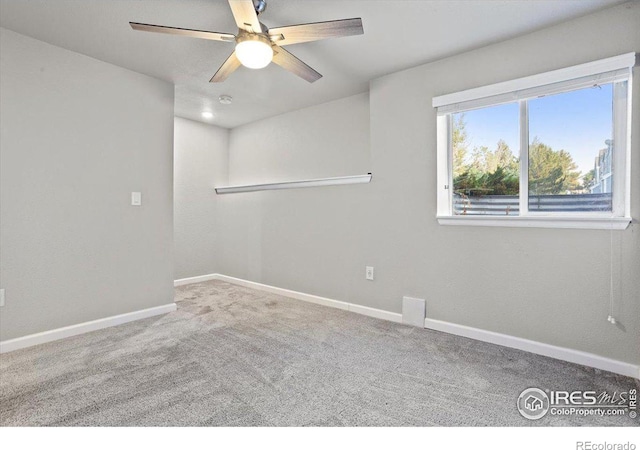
point(486, 168)
point(571, 150)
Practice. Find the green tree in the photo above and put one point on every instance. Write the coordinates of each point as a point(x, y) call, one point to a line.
point(503, 181)
point(504, 158)
point(588, 179)
point(488, 172)
point(551, 171)
point(459, 144)
point(487, 161)
point(499, 182)
point(497, 172)
point(481, 159)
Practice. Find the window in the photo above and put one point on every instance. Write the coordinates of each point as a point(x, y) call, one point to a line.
point(551, 150)
point(486, 173)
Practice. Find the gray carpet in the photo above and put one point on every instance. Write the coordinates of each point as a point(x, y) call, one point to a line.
point(232, 356)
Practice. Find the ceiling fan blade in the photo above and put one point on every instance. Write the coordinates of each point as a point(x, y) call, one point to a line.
point(211, 35)
point(289, 62)
point(226, 69)
point(295, 34)
point(245, 15)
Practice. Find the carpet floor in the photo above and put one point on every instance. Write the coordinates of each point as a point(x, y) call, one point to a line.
point(232, 356)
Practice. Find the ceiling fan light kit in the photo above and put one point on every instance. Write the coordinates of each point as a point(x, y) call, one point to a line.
point(257, 45)
point(254, 50)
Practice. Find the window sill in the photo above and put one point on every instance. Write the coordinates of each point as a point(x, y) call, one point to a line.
point(590, 223)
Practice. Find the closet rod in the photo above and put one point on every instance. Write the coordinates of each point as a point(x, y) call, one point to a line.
point(354, 179)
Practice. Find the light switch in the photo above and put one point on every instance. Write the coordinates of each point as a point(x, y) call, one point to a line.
point(136, 198)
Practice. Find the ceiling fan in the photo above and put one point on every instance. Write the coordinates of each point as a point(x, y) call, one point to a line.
point(257, 45)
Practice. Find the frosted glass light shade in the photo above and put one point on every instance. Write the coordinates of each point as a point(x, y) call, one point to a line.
point(254, 54)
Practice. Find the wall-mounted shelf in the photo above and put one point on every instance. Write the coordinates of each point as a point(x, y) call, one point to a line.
point(354, 179)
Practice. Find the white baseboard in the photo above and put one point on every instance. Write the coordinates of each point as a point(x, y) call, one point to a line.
point(359, 309)
point(539, 348)
point(552, 351)
point(377, 313)
point(81, 328)
point(200, 279)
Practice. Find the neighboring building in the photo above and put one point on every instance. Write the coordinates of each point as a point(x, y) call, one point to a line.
point(602, 181)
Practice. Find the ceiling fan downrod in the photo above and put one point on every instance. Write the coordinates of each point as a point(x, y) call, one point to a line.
point(260, 5)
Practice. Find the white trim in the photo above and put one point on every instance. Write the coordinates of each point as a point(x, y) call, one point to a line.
point(377, 313)
point(621, 157)
point(627, 204)
point(531, 221)
point(81, 328)
point(556, 76)
point(345, 306)
point(285, 292)
point(552, 351)
point(359, 309)
point(524, 158)
point(444, 165)
point(539, 348)
point(198, 279)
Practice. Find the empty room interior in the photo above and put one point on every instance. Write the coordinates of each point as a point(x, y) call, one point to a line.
point(287, 213)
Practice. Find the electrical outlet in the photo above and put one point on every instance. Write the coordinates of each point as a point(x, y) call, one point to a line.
point(1, 297)
point(369, 273)
point(136, 199)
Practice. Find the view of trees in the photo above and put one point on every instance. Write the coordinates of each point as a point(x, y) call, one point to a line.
point(551, 171)
point(497, 172)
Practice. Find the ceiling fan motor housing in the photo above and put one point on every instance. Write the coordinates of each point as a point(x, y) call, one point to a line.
point(260, 5)
point(244, 36)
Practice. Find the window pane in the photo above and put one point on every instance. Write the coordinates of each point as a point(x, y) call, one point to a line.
point(486, 168)
point(570, 151)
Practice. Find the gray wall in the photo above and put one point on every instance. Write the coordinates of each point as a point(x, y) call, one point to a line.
point(200, 163)
point(299, 239)
point(77, 136)
point(331, 139)
point(546, 285)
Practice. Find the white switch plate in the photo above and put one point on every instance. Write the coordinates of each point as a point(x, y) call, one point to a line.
point(369, 273)
point(136, 198)
point(1, 297)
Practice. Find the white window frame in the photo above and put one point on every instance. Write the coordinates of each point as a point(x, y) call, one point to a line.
point(609, 70)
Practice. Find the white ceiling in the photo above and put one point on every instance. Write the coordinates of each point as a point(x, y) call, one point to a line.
point(398, 34)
